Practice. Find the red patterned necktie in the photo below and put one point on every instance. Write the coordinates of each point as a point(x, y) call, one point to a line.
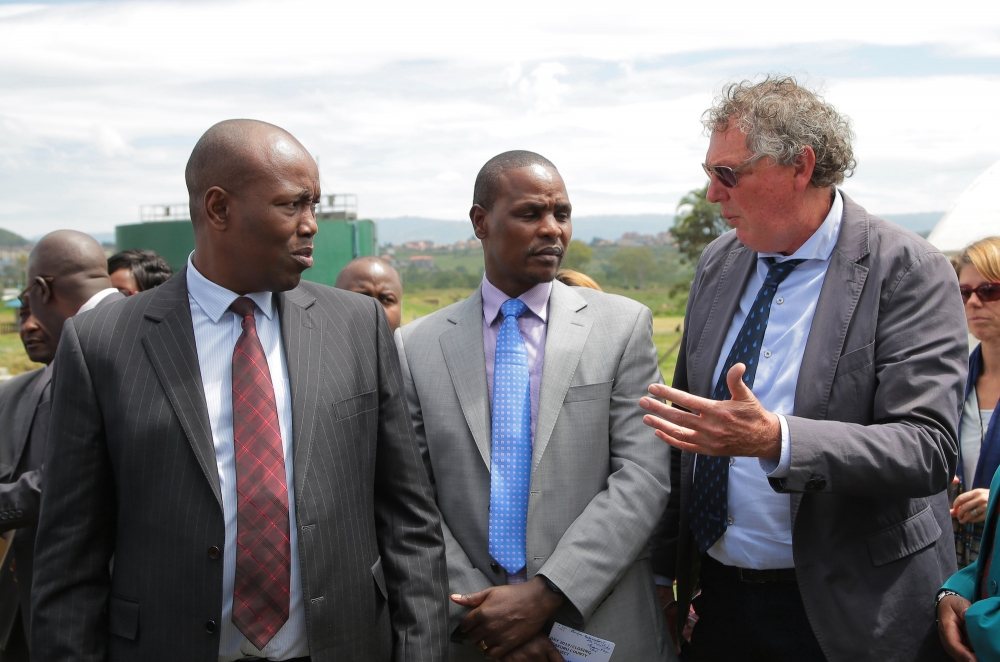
point(263, 553)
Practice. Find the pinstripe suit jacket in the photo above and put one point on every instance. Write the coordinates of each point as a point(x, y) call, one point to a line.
point(136, 481)
point(599, 478)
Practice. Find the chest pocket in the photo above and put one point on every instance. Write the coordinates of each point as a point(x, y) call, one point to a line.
point(356, 404)
point(586, 392)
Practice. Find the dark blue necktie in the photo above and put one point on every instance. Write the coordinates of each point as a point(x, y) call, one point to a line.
point(510, 459)
point(708, 504)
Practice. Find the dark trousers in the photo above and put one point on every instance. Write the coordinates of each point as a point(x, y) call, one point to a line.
point(756, 617)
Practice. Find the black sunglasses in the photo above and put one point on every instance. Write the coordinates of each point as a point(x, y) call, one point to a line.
point(987, 292)
point(728, 176)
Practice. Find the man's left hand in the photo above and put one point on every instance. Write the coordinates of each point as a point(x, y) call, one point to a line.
point(739, 427)
point(505, 617)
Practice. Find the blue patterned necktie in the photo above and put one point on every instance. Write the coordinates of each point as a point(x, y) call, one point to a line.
point(709, 492)
point(510, 471)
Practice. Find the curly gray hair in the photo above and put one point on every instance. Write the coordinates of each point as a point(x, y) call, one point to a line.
point(780, 118)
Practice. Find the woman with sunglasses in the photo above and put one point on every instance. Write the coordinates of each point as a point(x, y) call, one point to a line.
point(979, 428)
point(968, 606)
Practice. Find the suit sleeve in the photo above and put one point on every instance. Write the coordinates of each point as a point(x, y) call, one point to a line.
point(982, 622)
point(615, 527)
point(76, 528)
point(408, 522)
point(463, 577)
point(19, 501)
point(905, 440)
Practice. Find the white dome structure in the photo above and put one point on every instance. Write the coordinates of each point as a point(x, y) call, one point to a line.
point(976, 214)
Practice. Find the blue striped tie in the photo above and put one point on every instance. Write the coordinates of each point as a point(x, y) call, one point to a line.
point(709, 491)
point(510, 471)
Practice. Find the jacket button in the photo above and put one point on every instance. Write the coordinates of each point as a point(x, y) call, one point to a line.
point(815, 484)
point(214, 552)
point(210, 626)
point(494, 566)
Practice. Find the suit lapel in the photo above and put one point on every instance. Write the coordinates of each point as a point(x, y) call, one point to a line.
point(462, 347)
point(565, 337)
point(301, 334)
point(838, 299)
point(739, 264)
point(170, 345)
point(25, 413)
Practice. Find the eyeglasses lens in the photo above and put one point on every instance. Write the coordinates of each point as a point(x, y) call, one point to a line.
point(987, 292)
point(725, 174)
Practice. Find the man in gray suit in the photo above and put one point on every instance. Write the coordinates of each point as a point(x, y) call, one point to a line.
point(812, 510)
point(237, 442)
point(592, 481)
point(67, 273)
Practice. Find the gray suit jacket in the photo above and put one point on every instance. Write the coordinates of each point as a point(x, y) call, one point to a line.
point(599, 477)
point(136, 480)
point(873, 436)
point(21, 419)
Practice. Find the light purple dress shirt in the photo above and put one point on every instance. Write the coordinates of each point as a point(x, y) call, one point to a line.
point(533, 324)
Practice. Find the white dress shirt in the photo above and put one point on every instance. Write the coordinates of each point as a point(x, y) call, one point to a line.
point(92, 302)
point(759, 526)
point(216, 330)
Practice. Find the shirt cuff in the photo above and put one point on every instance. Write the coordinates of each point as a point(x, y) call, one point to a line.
point(781, 468)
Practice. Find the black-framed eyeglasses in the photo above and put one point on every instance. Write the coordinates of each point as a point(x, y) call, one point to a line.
point(727, 175)
point(987, 292)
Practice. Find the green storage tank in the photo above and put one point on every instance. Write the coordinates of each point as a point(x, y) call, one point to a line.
point(338, 242)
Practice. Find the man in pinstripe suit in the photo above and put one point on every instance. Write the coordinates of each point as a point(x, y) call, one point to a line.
point(144, 429)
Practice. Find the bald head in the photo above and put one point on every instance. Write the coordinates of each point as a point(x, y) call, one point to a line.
point(65, 269)
point(376, 278)
point(229, 155)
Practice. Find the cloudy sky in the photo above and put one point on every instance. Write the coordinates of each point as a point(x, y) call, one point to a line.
point(402, 102)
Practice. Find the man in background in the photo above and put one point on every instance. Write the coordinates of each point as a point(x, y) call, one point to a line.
point(523, 397)
point(376, 278)
point(136, 270)
point(68, 267)
point(821, 367)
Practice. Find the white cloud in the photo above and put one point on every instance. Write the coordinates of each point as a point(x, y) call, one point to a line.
point(403, 102)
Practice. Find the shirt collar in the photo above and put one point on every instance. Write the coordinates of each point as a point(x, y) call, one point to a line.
point(215, 300)
point(822, 242)
point(92, 302)
point(536, 299)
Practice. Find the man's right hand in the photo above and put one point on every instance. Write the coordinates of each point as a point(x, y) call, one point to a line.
point(951, 627)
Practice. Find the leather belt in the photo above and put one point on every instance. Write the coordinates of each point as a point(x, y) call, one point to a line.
point(264, 659)
point(747, 575)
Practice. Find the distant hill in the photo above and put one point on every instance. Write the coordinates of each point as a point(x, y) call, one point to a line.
point(440, 231)
point(921, 223)
point(585, 228)
point(10, 239)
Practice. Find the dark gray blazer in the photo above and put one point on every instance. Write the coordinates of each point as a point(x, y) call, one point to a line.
point(873, 436)
point(20, 479)
point(136, 480)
